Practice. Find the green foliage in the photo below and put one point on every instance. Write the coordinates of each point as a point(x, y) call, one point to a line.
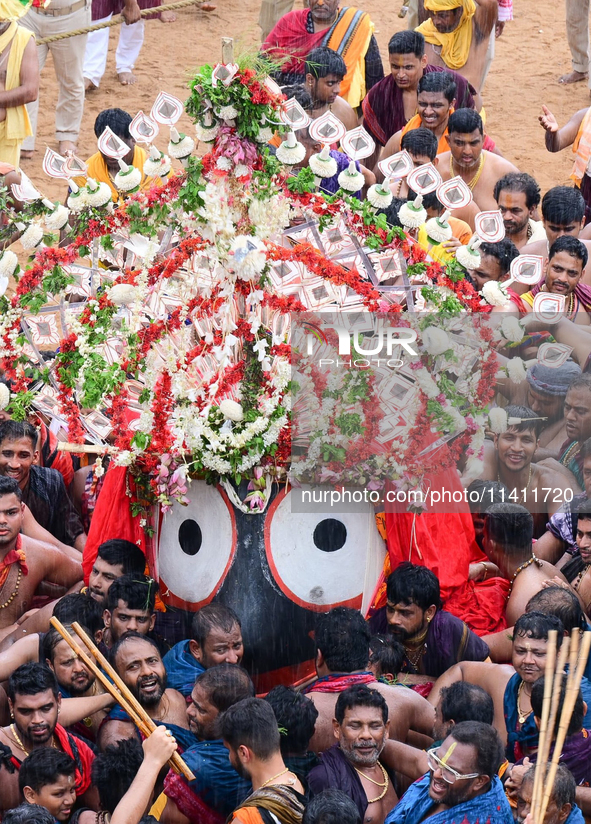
point(303, 182)
point(190, 194)
point(19, 405)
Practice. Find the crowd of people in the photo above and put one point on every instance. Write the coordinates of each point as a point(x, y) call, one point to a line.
point(417, 710)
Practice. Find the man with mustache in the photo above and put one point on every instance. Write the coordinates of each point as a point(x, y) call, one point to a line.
point(462, 783)
point(578, 570)
point(361, 727)
point(35, 704)
point(138, 663)
point(566, 263)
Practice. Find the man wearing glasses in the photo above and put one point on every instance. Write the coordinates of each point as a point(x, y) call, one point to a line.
point(462, 783)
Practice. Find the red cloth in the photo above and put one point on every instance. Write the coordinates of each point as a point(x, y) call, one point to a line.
point(289, 39)
point(338, 683)
point(16, 555)
point(189, 802)
point(83, 757)
point(112, 518)
point(443, 540)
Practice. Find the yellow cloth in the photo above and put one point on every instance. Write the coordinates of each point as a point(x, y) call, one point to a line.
point(17, 125)
point(460, 230)
point(97, 168)
point(455, 45)
point(582, 149)
point(12, 9)
point(353, 52)
point(158, 806)
point(528, 297)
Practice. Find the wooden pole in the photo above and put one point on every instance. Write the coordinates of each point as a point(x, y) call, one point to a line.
point(544, 732)
point(227, 50)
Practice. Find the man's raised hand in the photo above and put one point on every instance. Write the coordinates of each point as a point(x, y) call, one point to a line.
point(547, 120)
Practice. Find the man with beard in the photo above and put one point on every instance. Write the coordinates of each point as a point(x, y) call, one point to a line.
point(462, 783)
point(480, 170)
point(137, 660)
point(129, 607)
point(361, 727)
point(518, 196)
point(564, 269)
point(217, 783)
point(73, 678)
point(34, 702)
point(510, 462)
point(250, 733)
point(578, 570)
point(216, 638)
point(342, 657)
point(577, 414)
point(433, 639)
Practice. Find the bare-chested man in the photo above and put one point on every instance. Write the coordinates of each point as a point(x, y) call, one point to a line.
point(19, 84)
point(563, 213)
point(518, 197)
point(25, 563)
point(510, 686)
point(325, 70)
point(543, 391)
point(457, 36)
point(578, 570)
point(507, 541)
point(139, 664)
point(342, 640)
point(480, 170)
point(540, 489)
point(361, 728)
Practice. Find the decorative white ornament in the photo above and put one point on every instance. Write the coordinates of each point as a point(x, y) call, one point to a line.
point(350, 179)
point(322, 164)
point(122, 294)
point(4, 396)
point(128, 178)
point(497, 418)
point(436, 341)
point(412, 214)
point(231, 410)
point(291, 151)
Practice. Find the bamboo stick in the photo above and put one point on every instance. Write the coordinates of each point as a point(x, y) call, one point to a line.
point(85, 448)
point(89, 663)
point(548, 681)
point(567, 711)
point(177, 762)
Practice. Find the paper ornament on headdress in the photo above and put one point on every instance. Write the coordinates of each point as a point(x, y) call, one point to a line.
point(111, 145)
point(527, 269)
point(396, 166)
point(489, 226)
point(75, 167)
point(143, 129)
point(554, 355)
point(357, 143)
point(454, 193)
point(548, 307)
point(293, 115)
point(424, 179)
point(53, 164)
point(223, 73)
point(327, 129)
point(166, 109)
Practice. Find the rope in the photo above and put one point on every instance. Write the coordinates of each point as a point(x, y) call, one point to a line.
point(116, 21)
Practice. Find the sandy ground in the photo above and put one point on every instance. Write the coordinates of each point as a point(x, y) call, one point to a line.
point(530, 56)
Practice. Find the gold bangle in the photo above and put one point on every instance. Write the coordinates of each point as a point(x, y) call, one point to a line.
point(485, 570)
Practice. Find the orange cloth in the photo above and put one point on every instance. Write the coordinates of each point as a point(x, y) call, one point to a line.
point(415, 123)
point(16, 555)
point(582, 149)
point(351, 38)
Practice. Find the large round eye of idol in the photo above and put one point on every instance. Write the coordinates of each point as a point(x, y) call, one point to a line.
point(325, 560)
point(196, 547)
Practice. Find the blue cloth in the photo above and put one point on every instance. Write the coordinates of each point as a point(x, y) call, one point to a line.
point(490, 808)
point(528, 734)
point(216, 780)
point(575, 816)
point(182, 668)
point(330, 185)
point(185, 738)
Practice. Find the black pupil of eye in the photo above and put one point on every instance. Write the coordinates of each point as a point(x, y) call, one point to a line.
point(330, 535)
point(190, 537)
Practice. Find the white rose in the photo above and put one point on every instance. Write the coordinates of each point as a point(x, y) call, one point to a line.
point(435, 340)
point(498, 420)
point(231, 410)
point(8, 264)
point(32, 236)
point(4, 396)
point(122, 294)
point(58, 218)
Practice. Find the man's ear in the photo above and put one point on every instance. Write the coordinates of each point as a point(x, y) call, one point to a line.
point(336, 729)
point(152, 622)
point(436, 161)
point(308, 80)
point(49, 664)
point(564, 813)
point(107, 618)
point(30, 795)
point(430, 612)
point(243, 753)
point(319, 659)
point(453, 103)
point(446, 135)
point(195, 650)
point(424, 60)
point(387, 725)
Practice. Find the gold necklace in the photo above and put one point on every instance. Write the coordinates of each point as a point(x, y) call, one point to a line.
point(523, 491)
point(577, 582)
point(377, 783)
point(476, 177)
point(520, 568)
point(20, 743)
point(273, 777)
point(522, 717)
point(573, 450)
